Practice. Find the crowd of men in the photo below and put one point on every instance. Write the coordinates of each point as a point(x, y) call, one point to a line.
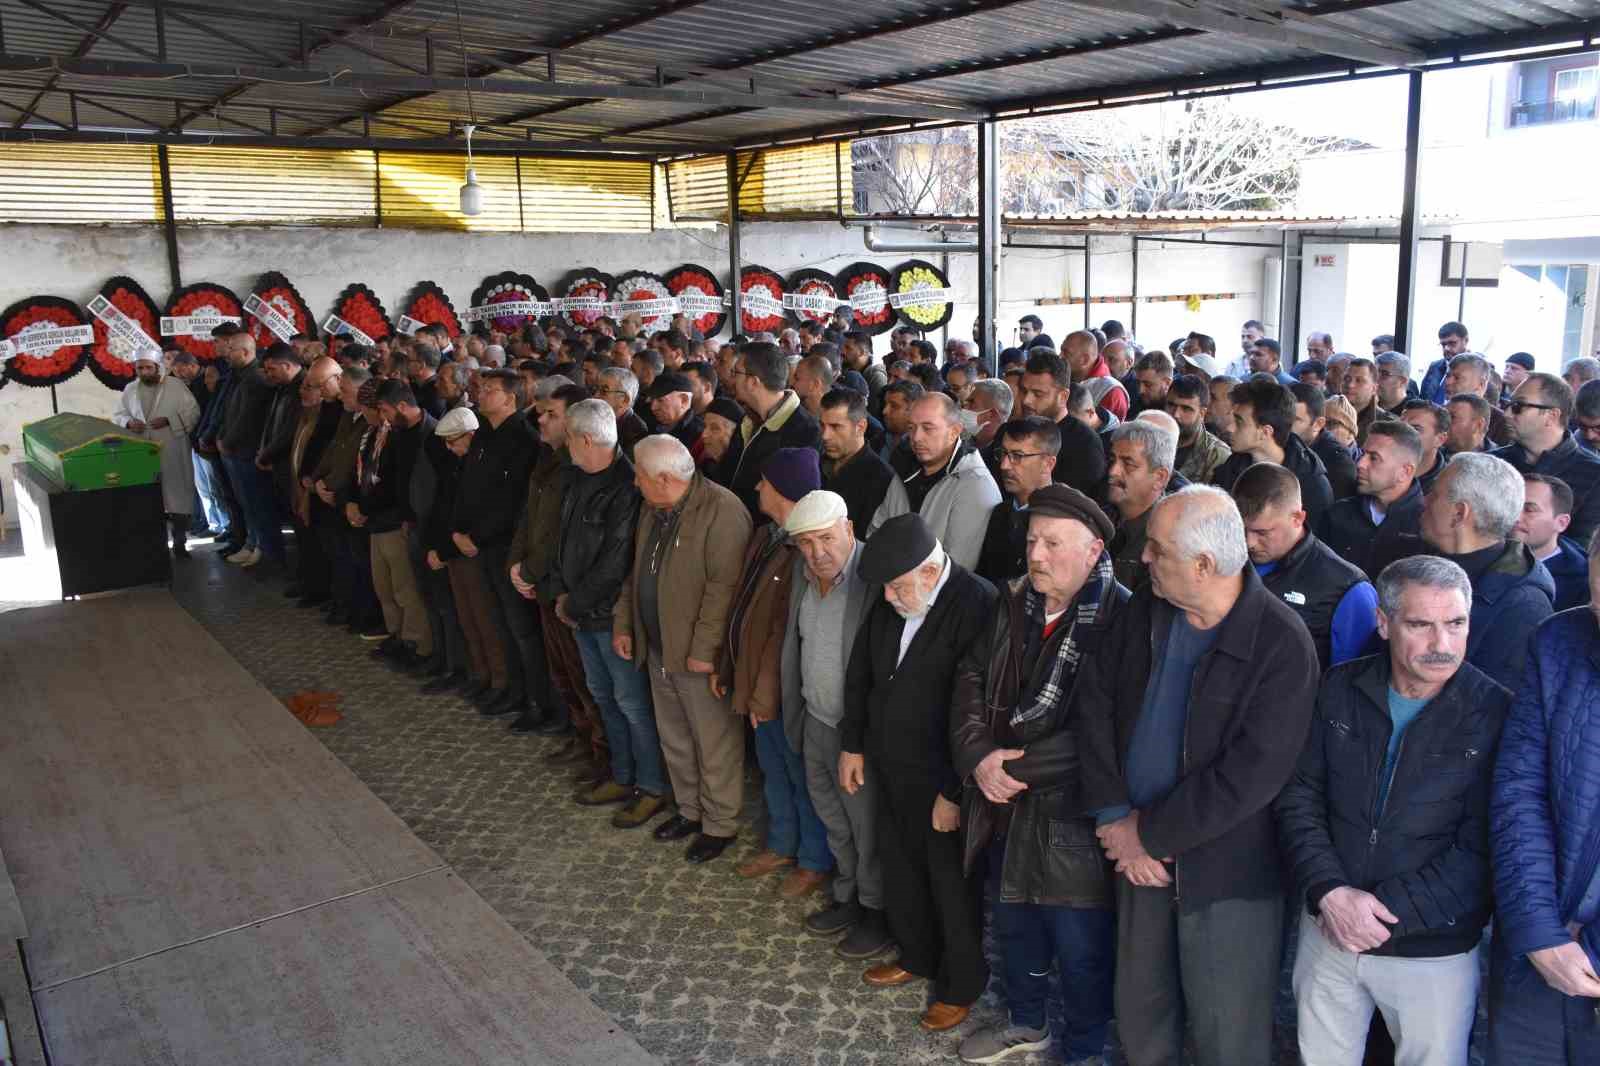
point(1171, 659)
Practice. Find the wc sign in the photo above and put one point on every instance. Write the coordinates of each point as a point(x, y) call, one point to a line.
point(1325, 260)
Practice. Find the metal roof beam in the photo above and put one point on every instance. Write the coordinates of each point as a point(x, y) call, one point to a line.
point(117, 68)
point(110, 16)
point(1254, 22)
point(578, 149)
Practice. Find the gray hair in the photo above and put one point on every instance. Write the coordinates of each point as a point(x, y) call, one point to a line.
point(550, 384)
point(1159, 444)
point(967, 348)
point(1472, 359)
point(621, 378)
point(1584, 368)
point(997, 393)
point(661, 453)
point(761, 338)
point(1429, 571)
point(495, 354)
point(1396, 361)
point(1211, 527)
point(1491, 487)
point(456, 372)
point(593, 419)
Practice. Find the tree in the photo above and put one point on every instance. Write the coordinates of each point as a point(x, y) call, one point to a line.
point(1201, 155)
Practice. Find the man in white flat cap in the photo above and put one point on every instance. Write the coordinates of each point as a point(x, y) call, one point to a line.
point(163, 410)
point(828, 601)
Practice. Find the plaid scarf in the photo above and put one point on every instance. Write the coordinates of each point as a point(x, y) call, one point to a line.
point(1064, 668)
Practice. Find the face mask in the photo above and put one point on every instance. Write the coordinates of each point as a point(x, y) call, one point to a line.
point(969, 422)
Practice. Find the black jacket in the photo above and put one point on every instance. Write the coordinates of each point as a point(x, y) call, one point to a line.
point(899, 714)
point(1338, 463)
point(494, 480)
point(428, 398)
point(862, 482)
point(1348, 529)
point(794, 428)
point(1312, 580)
point(1052, 856)
point(1316, 494)
point(385, 495)
point(445, 466)
point(245, 416)
point(1005, 543)
point(1578, 467)
point(1426, 855)
point(595, 552)
point(1249, 711)
point(1081, 462)
point(283, 414)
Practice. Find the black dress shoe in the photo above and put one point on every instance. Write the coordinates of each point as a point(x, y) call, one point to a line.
point(311, 600)
point(442, 683)
point(475, 691)
point(504, 703)
point(406, 660)
point(707, 847)
point(676, 828)
point(555, 724)
point(526, 722)
point(388, 649)
point(834, 919)
point(338, 617)
point(293, 592)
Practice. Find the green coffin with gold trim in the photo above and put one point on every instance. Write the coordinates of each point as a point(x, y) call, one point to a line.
point(83, 452)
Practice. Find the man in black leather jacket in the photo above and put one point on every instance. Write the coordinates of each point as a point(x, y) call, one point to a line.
point(1017, 755)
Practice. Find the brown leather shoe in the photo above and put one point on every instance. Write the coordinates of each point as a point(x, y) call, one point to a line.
point(888, 975)
point(941, 1016)
point(606, 792)
point(801, 883)
point(768, 862)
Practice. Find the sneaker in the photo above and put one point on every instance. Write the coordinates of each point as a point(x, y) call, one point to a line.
point(833, 919)
point(250, 559)
point(643, 808)
point(870, 936)
point(375, 631)
point(1001, 1042)
point(238, 556)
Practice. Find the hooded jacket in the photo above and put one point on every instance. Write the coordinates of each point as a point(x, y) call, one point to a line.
point(956, 508)
point(1569, 569)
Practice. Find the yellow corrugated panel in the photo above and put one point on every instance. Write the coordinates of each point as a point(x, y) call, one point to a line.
point(424, 191)
point(266, 186)
point(566, 195)
point(698, 188)
point(79, 183)
point(798, 181)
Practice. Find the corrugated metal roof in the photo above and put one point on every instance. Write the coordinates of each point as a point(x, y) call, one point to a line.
point(974, 54)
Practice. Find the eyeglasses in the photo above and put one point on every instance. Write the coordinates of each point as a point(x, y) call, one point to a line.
point(1008, 456)
point(1516, 407)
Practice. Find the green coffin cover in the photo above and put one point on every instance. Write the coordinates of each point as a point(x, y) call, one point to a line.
point(80, 451)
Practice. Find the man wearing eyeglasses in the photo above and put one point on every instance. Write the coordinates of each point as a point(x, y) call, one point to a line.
point(1542, 444)
point(1586, 417)
point(1394, 379)
point(619, 389)
point(1027, 457)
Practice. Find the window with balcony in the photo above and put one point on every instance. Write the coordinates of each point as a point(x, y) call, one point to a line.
point(1554, 90)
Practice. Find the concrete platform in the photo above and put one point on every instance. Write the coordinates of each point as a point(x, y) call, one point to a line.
point(203, 882)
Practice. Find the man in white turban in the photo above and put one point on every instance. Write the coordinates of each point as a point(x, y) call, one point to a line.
point(163, 409)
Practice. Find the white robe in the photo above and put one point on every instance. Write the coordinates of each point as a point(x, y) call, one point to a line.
point(177, 405)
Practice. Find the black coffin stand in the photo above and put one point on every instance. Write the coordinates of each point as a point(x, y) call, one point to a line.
point(92, 541)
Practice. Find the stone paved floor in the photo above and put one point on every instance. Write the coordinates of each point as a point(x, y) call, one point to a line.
point(698, 964)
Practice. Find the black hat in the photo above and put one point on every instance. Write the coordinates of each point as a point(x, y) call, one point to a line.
point(727, 409)
point(1064, 501)
point(668, 382)
point(898, 547)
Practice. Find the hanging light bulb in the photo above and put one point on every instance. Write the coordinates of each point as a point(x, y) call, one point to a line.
point(471, 192)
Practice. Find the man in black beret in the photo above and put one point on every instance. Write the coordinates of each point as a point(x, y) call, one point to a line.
point(1023, 815)
point(897, 715)
point(671, 397)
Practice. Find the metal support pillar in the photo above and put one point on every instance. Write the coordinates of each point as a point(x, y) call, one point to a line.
point(989, 241)
point(169, 218)
point(1088, 263)
point(1283, 294)
point(733, 242)
point(1133, 308)
point(1461, 297)
point(1406, 280)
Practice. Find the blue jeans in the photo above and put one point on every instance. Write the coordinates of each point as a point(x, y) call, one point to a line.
point(1082, 943)
point(793, 828)
point(1530, 1023)
point(622, 692)
point(260, 509)
point(211, 512)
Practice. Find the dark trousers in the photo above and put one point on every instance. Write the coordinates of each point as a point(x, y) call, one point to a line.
point(1081, 942)
point(449, 642)
point(312, 567)
point(935, 911)
point(349, 564)
point(1214, 967)
point(566, 676)
point(254, 489)
point(517, 620)
point(1531, 1024)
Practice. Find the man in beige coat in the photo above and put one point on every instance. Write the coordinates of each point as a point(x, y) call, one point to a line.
point(672, 617)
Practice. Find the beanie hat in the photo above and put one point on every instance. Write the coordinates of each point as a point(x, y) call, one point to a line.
point(793, 472)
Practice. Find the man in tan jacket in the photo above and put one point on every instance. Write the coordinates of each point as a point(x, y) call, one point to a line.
point(672, 617)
